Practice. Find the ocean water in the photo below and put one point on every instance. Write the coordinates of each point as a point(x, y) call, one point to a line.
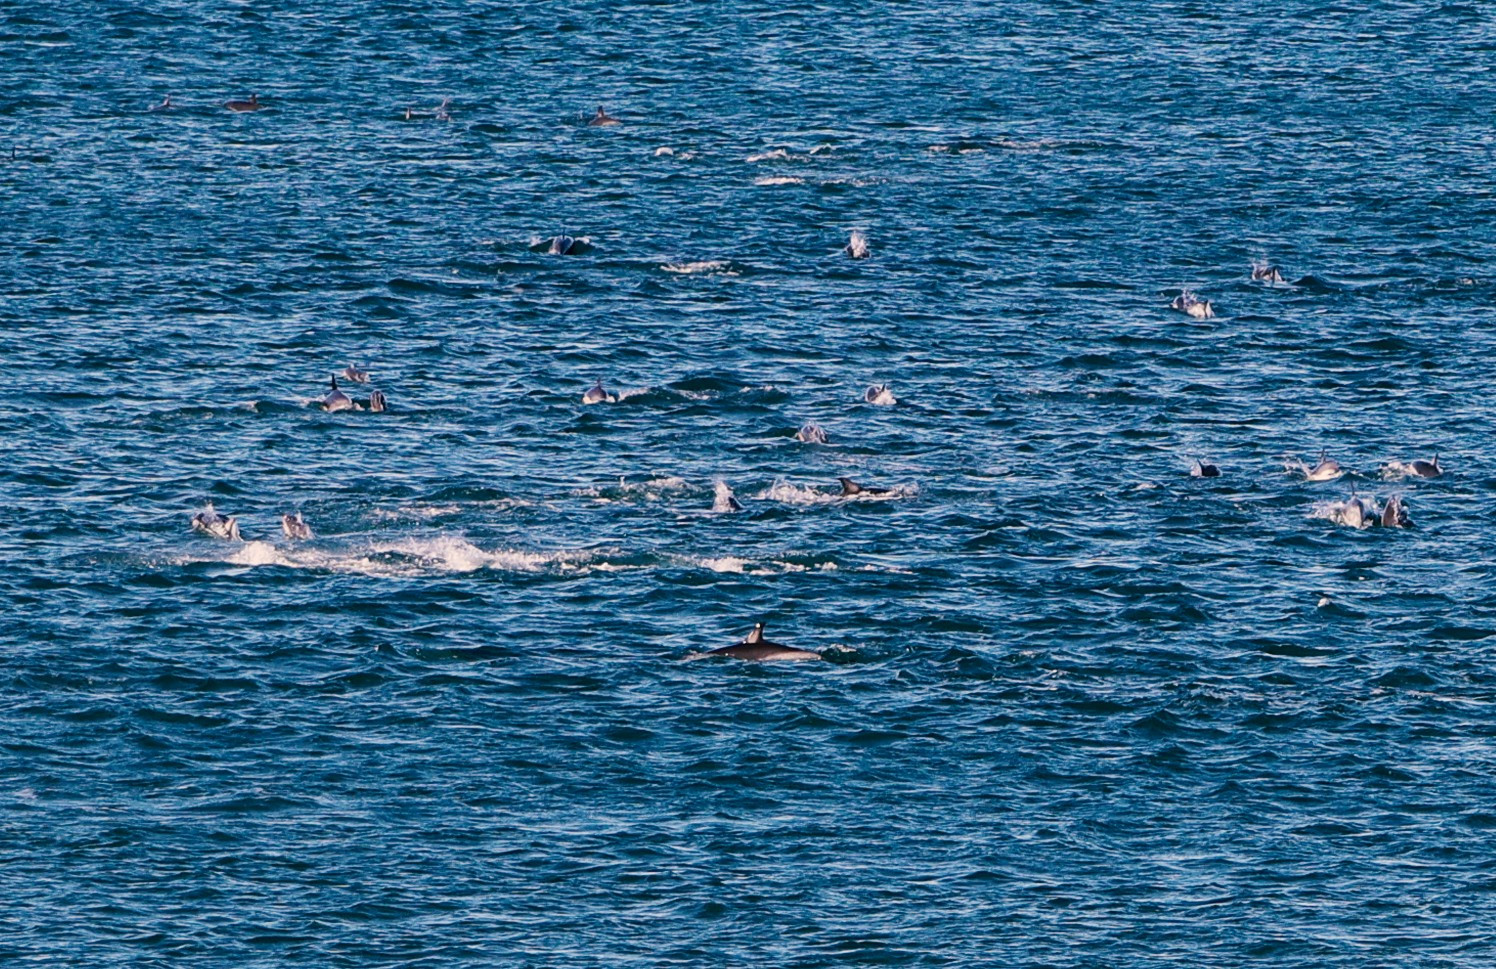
point(1079, 708)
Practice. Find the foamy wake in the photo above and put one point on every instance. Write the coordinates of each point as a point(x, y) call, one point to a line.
point(779, 180)
point(406, 557)
point(703, 266)
point(732, 565)
point(1398, 471)
point(777, 154)
point(654, 489)
point(422, 512)
point(790, 494)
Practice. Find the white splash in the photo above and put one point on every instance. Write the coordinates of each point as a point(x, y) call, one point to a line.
point(724, 500)
point(779, 180)
point(702, 266)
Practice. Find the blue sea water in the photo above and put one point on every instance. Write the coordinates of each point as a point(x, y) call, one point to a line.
point(1081, 708)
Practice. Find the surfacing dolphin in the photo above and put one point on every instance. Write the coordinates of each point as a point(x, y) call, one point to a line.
point(1427, 469)
point(356, 375)
point(602, 119)
point(857, 247)
point(1263, 272)
point(758, 649)
point(1204, 469)
point(879, 394)
point(849, 488)
point(253, 104)
point(165, 104)
point(725, 500)
point(562, 246)
point(1193, 306)
point(1328, 469)
point(219, 526)
point(1415, 469)
point(811, 433)
point(337, 400)
point(377, 402)
point(1395, 514)
point(596, 395)
point(296, 527)
point(1355, 511)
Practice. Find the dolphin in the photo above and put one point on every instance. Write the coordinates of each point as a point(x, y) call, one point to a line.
point(1427, 469)
point(336, 399)
point(1328, 469)
point(442, 114)
point(356, 375)
point(1191, 305)
point(725, 500)
point(850, 488)
point(879, 394)
point(757, 648)
point(1204, 469)
point(562, 246)
point(296, 527)
point(602, 118)
point(1263, 272)
point(1355, 512)
point(377, 403)
point(219, 526)
point(253, 104)
point(856, 247)
point(165, 104)
point(596, 395)
point(811, 433)
point(1395, 514)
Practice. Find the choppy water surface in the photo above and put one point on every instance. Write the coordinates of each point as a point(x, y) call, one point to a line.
point(1081, 710)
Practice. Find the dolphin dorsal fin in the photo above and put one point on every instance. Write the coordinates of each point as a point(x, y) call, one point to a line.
point(334, 381)
point(757, 636)
point(850, 487)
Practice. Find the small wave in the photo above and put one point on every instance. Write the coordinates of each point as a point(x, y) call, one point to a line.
point(702, 266)
point(779, 180)
point(777, 154)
